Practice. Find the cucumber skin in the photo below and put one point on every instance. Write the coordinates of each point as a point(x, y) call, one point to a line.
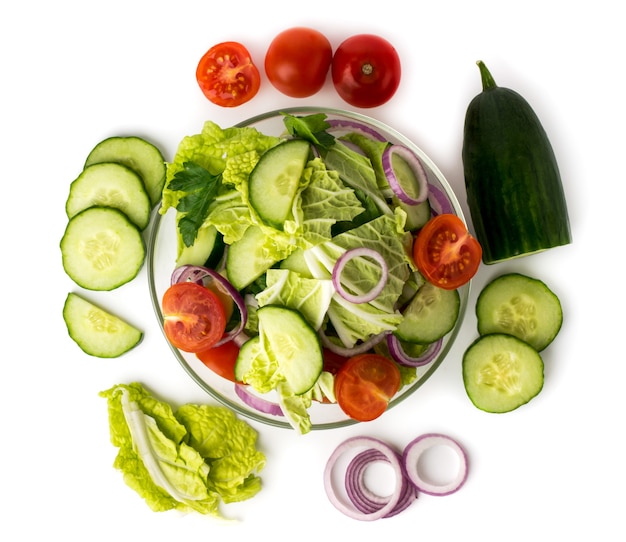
point(514, 189)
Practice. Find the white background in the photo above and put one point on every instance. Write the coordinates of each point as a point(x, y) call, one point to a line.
point(74, 73)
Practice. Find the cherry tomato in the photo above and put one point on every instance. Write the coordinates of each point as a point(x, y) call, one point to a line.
point(366, 70)
point(297, 61)
point(365, 384)
point(221, 359)
point(227, 75)
point(446, 253)
point(333, 361)
point(194, 318)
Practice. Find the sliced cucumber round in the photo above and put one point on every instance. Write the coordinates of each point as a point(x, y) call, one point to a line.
point(430, 315)
point(109, 184)
point(289, 338)
point(501, 372)
point(521, 306)
point(96, 331)
point(247, 259)
point(275, 179)
point(138, 154)
point(102, 249)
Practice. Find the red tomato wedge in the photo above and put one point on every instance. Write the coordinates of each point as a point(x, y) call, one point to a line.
point(221, 359)
point(365, 384)
point(227, 75)
point(446, 253)
point(194, 317)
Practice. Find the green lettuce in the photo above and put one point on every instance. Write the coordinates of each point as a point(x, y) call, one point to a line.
point(190, 460)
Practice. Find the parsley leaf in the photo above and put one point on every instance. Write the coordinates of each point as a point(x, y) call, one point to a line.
point(312, 128)
point(200, 188)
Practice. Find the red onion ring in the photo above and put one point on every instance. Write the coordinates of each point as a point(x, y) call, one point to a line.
point(198, 273)
point(351, 125)
point(416, 166)
point(400, 356)
point(256, 402)
point(414, 451)
point(362, 497)
point(355, 350)
point(439, 202)
point(349, 509)
point(340, 265)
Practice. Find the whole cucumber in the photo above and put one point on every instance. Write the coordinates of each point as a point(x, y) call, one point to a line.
point(514, 189)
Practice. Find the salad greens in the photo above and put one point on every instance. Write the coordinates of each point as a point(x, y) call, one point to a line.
point(339, 205)
point(189, 460)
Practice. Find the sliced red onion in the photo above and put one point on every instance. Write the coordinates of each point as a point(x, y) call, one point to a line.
point(400, 356)
point(348, 508)
point(340, 265)
point(411, 458)
point(439, 201)
point(256, 402)
point(416, 166)
point(198, 274)
point(355, 126)
point(361, 348)
point(362, 497)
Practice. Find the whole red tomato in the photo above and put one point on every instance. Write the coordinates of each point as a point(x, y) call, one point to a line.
point(366, 70)
point(227, 76)
point(297, 61)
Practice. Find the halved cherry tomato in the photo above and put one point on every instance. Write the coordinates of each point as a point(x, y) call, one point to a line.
point(446, 253)
point(365, 384)
point(221, 359)
point(227, 76)
point(194, 318)
point(297, 61)
point(366, 70)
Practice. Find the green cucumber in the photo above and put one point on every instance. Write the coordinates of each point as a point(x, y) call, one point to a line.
point(247, 259)
point(139, 155)
point(502, 372)
point(102, 249)
point(287, 337)
point(109, 184)
point(207, 249)
point(275, 179)
point(521, 306)
point(431, 314)
point(416, 215)
point(96, 331)
point(247, 353)
point(514, 189)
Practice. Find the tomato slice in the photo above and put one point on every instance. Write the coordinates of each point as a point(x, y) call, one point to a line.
point(446, 253)
point(227, 75)
point(194, 317)
point(221, 359)
point(365, 384)
point(333, 361)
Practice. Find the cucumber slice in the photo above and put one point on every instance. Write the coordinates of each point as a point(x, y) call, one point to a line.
point(247, 353)
point(521, 306)
point(430, 315)
point(138, 154)
point(96, 331)
point(102, 249)
point(287, 337)
point(501, 372)
point(246, 259)
point(109, 184)
point(274, 181)
point(416, 215)
point(203, 251)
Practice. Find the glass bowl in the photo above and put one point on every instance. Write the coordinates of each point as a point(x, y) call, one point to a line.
point(161, 257)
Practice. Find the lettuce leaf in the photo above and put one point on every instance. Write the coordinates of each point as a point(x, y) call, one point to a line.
point(160, 459)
